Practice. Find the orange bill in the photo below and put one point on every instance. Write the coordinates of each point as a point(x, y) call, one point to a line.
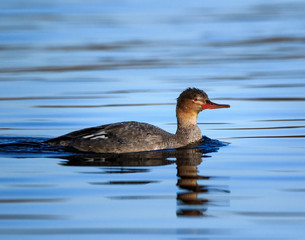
point(211, 105)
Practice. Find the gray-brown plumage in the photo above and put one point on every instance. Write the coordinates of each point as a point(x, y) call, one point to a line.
point(135, 136)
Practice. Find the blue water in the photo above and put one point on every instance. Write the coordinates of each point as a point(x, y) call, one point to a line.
point(67, 65)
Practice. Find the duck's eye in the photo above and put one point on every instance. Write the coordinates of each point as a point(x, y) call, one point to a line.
point(195, 99)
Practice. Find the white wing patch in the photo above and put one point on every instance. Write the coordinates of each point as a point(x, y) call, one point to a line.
point(88, 136)
point(98, 135)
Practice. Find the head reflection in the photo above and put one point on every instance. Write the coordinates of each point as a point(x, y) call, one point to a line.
point(193, 197)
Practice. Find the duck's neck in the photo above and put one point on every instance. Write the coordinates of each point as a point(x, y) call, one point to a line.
point(187, 129)
point(186, 119)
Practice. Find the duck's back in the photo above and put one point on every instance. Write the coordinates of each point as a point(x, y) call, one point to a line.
point(116, 138)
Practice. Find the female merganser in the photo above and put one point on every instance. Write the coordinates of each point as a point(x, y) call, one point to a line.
point(126, 137)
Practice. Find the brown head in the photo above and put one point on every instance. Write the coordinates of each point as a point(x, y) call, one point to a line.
point(192, 101)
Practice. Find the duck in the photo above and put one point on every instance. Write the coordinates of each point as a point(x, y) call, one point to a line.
point(132, 136)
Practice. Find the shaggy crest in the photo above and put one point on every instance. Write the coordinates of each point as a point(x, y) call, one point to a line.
point(191, 93)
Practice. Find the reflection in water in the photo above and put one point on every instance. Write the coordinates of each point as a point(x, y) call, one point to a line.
point(156, 158)
point(188, 175)
point(192, 197)
point(193, 200)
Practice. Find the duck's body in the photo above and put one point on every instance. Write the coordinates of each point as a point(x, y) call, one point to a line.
point(123, 137)
point(126, 137)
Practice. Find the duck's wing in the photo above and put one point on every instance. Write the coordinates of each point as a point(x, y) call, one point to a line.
point(64, 140)
point(115, 138)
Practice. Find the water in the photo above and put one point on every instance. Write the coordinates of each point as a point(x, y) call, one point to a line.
point(66, 65)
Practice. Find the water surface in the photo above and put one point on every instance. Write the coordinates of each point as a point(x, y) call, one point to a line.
point(67, 65)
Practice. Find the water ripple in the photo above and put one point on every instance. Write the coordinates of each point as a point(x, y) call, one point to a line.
point(104, 105)
point(31, 200)
point(30, 217)
point(282, 136)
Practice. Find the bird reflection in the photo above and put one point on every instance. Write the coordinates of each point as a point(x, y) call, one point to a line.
point(187, 173)
point(193, 197)
point(194, 194)
point(139, 159)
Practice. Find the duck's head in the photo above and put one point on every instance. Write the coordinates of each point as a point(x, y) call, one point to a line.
point(196, 100)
